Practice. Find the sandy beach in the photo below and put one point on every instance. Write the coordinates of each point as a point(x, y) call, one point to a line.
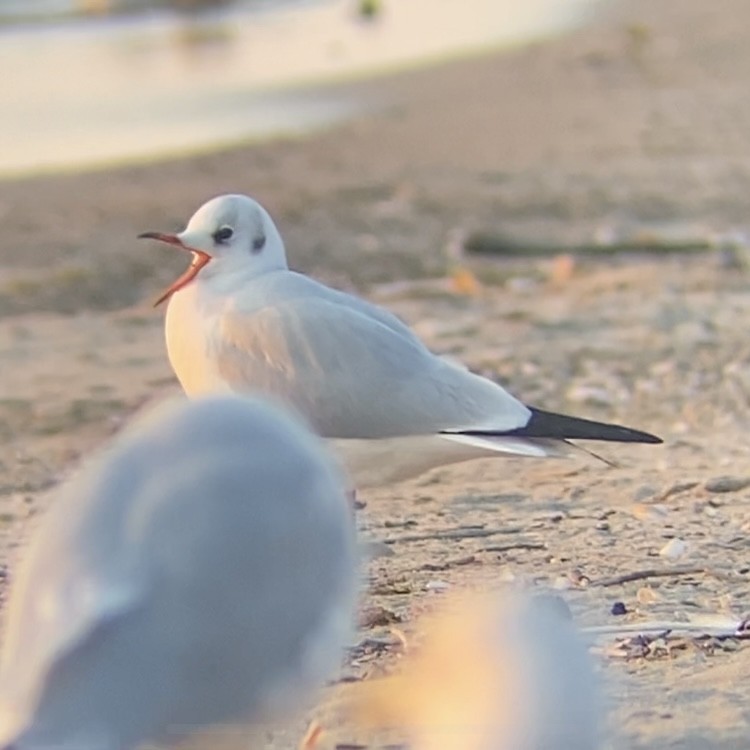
point(637, 125)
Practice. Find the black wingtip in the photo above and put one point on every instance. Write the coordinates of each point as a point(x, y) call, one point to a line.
point(546, 424)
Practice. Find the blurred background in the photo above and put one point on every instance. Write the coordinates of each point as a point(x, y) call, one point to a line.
point(97, 81)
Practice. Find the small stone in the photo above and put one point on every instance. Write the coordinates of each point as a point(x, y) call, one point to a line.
point(619, 609)
point(727, 484)
point(578, 578)
point(375, 616)
point(649, 512)
point(562, 269)
point(646, 595)
point(464, 282)
point(673, 549)
point(644, 492)
point(437, 585)
point(729, 644)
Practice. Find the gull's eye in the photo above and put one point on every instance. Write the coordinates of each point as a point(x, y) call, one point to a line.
point(222, 235)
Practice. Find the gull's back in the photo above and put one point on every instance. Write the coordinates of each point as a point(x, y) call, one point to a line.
point(202, 569)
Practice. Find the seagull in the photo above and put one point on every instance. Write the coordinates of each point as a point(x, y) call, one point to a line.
point(201, 573)
point(238, 320)
point(502, 670)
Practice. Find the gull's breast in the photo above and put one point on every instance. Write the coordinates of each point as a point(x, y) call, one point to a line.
point(190, 327)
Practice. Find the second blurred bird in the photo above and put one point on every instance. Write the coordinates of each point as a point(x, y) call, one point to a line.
point(502, 671)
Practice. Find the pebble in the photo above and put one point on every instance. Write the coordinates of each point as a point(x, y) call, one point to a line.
point(578, 578)
point(645, 492)
point(437, 585)
point(673, 549)
point(649, 512)
point(647, 595)
point(727, 484)
point(376, 616)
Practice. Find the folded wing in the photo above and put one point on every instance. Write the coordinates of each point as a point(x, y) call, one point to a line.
point(352, 376)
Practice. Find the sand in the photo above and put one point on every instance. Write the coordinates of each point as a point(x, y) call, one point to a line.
point(640, 120)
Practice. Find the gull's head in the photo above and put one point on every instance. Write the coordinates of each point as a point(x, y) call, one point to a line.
point(228, 234)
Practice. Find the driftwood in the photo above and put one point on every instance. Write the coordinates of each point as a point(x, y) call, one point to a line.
point(639, 575)
point(709, 626)
point(486, 243)
point(470, 532)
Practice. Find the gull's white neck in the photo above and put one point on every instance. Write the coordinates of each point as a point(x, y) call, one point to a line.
point(194, 314)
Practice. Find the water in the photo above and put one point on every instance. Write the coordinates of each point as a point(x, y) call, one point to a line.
point(151, 84)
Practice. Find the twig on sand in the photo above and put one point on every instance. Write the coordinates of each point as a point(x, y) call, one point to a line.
point(514, 545)
point(436, 567)
point(639, 575)
point(459, 533)
point(727, 628)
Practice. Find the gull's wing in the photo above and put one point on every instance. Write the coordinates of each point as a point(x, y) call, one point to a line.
point(268, 290)
point(354, 375)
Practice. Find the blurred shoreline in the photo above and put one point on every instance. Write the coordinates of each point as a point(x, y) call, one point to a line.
point(126, 89)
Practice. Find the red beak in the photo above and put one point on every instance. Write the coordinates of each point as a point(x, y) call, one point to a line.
point(200, 259)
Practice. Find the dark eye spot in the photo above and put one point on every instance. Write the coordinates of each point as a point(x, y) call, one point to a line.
point(259, 243)
point(222, 235)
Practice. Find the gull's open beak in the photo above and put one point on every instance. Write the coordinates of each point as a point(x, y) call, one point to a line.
point(200, 259)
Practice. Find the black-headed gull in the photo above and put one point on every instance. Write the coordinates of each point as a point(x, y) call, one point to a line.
point(239, 320)
point(201, 573)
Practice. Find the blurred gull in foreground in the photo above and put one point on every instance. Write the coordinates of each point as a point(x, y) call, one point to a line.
point(240, 320)
point(494, 672)
point(201, 573)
